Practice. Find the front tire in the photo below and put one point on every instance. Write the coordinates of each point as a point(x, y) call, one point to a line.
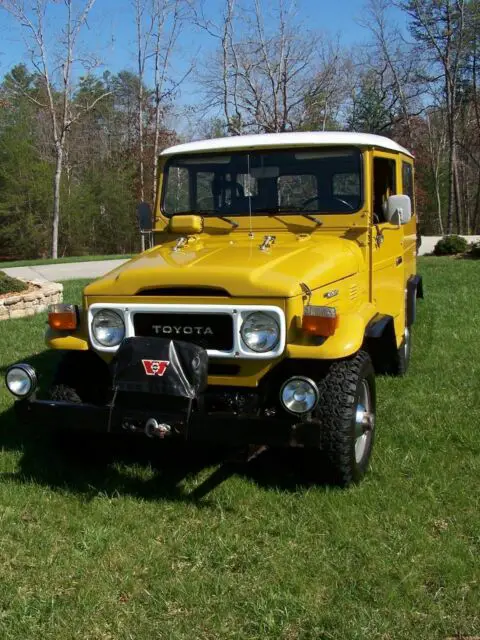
point(346, 416)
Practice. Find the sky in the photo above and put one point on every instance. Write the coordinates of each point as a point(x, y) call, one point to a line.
point(112, 29)
point(111, 34)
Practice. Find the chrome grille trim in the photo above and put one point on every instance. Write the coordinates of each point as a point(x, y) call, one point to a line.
point(238, 313)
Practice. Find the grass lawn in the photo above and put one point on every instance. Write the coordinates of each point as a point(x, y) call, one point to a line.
point(33, 263)
point(106, 543)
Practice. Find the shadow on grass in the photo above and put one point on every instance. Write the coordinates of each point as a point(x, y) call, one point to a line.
point(89, 464)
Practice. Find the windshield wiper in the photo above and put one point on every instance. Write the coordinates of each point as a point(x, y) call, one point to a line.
point(208, 212)
point(280, 209)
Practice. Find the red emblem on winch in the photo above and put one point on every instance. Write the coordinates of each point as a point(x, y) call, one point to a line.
point(155, 367)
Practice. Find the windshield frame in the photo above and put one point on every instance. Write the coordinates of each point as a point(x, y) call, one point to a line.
point(253, 152)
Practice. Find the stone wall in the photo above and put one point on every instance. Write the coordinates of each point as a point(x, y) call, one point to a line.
point(28, 303)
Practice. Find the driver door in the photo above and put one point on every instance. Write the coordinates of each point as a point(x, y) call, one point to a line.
point(387, 242)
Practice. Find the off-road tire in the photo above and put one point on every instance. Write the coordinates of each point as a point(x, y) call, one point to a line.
point(81, 377)
point(340, 390)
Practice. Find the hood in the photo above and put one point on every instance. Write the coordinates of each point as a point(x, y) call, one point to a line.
point(236, 264)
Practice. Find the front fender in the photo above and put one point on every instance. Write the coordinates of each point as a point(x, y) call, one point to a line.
point(348, 338)
point(66, 341)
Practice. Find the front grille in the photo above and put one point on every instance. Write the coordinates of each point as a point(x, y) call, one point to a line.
point(204, 329)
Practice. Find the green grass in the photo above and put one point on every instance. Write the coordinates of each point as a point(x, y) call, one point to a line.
point(104, 542)
point(33, 263)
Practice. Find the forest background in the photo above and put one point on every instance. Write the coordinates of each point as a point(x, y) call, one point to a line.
point(79, 140)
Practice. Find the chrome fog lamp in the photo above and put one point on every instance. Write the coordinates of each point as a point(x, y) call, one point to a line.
point(260, 332)
point(299, 395)
point(108, 327)
point(21, 380)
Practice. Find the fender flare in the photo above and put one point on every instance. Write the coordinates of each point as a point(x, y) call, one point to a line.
point(380, 341)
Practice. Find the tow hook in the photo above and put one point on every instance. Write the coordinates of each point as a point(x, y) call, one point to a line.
point(154, 429)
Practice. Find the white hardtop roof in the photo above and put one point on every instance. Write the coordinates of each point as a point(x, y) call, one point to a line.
point(278, 140)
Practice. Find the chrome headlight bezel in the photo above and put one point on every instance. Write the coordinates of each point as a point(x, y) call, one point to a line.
point(267, 318)
point(117, 327)
point(308, 389)
point(30, 376)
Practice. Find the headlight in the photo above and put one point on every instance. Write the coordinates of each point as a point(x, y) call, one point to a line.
point(260, 332)
point(108, 328)
point(21, 380)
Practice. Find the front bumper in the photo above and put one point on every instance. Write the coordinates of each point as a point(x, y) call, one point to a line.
point(159, 387)
point(218, 427)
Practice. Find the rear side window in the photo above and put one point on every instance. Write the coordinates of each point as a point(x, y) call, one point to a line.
point(407, 181)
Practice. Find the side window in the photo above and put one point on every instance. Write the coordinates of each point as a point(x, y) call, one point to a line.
point(407, 182)
point(294, 190)
point(384, 185)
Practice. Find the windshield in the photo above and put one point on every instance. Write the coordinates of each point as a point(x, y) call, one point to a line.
point(240, 183)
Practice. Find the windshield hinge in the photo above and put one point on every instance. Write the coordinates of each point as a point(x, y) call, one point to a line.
point(181, 242)
point(267, 243)
point(307, 292)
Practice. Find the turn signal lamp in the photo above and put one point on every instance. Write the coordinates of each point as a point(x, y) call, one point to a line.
point(319, 321)
point(62, 317)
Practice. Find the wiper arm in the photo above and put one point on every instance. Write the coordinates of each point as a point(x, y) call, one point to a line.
point(232, 222)
point(208, 212)
point(280, 209)
point(309, 216)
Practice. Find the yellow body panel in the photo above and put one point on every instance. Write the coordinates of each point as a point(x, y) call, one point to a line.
point(61, 341)
point(343, 264)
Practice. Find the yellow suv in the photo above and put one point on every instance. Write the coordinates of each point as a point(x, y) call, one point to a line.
point(280, 277)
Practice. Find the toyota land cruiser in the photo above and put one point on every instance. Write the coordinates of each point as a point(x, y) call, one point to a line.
point(280, 277)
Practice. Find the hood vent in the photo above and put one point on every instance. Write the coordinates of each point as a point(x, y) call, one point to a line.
point(190, 292)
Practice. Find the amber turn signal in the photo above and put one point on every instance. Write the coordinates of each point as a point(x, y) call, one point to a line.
point(319, 321)
point(62, 317)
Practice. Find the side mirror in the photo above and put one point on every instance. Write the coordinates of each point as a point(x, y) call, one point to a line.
point(144, 216)
point(399, 209)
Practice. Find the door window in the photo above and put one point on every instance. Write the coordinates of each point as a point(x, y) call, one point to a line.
point(407, 182)
point(384, 186)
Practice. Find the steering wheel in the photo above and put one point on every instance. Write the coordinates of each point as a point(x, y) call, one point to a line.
point(309, 200)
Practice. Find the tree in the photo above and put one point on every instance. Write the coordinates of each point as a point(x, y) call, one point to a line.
point(266, 69)
point(25, 178)
point(439, 29)
point(31, 16)
point(396, 67)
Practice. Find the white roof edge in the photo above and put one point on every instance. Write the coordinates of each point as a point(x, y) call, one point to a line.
point(297, 139)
